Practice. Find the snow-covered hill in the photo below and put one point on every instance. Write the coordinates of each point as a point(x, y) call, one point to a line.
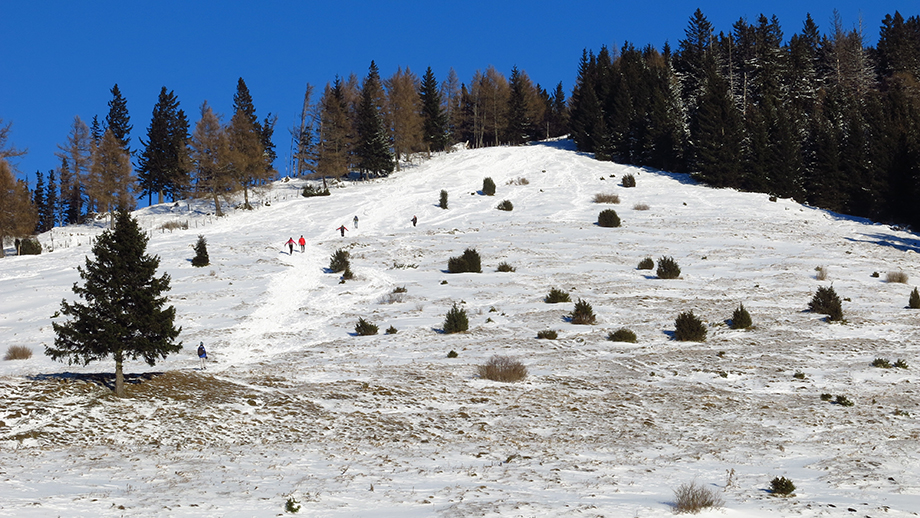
point(294, 404)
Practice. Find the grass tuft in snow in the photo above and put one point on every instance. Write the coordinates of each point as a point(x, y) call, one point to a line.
point(17, 352)
point(606, 198)
point(899, 276)
point(692, 497)
point(821, 274)
point(502, 368)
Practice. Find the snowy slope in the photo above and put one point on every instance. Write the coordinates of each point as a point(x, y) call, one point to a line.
point(294, 404)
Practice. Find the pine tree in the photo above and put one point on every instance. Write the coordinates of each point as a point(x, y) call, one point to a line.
point(125, 314)
point(249, 158)
point(373, 147)
point(520, 125)
point(558, 116)
point(163, 166)
point(715, 129)
point(48, 217)
point(434, 117)
point(118, 121)
point(38, 200)
point(695, 58)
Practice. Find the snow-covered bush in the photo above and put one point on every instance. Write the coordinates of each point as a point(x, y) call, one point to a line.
point(583, 313)
point(488, 186)
point(468, 262)
point(741, 319)
point(503, 368)
point(668, 268)
point(622, 335)
point(608, 218)
point(310, 191)
point(826, 302)
point(456, 320)
point(556, 295)
point(689, 328)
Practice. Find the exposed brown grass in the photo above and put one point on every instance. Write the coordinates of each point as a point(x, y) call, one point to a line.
point(503, 368)
point(694, 497)
point(18, 352)
point(897, 276)
point(821, 273)
point(641, 206)
point(174, 225)
point(518, 181)
point(606, 198)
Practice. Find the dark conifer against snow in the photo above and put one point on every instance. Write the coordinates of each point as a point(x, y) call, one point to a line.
point(118, 120)
point(373, 147)
point(163, 166)
point(434, 119)
point(124, 314)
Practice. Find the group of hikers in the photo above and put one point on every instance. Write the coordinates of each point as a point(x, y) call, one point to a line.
point(303, 242)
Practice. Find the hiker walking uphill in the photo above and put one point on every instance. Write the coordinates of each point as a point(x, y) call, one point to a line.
point(202, 355)
point(414, 220)
point(302, 242)
point(342, 229)
point(356, 221)
point(290, 244)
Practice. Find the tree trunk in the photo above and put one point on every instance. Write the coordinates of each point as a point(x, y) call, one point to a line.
point(119, 379)
point(217, 211)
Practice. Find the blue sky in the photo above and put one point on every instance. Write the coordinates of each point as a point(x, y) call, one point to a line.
point(59, 59)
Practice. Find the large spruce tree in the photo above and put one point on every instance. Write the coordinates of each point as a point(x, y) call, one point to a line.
point(434, 118)
point(163, 166)
point(124, 315)
point(373, 146)
point(118, 120)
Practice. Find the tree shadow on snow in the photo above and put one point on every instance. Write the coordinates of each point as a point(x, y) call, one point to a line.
point(902, 244)
point(103, 379)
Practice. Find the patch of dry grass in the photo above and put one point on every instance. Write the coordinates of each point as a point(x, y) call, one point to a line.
point(502, 368)
point(897, 276)
point(694, 497)
point(606, 198)
point(641, 206)
point(18, 352)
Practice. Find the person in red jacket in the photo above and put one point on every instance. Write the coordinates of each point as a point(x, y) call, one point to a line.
point(290, 244)
point(302, 242)
point(342, 229)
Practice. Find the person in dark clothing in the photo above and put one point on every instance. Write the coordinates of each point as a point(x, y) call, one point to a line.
point(202, 355)
point(414, 220)
point(290, 244)
point(342, 229)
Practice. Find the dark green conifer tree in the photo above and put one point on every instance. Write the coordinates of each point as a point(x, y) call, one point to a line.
point(372, 151)
point(118, 119)
point(434, 118)
point(164, 165)
point(520, 126)
point(49, 216)
point(38, 199)
point(125, 314)
point(717, 150)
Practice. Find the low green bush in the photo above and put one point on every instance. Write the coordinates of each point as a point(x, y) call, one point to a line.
point(310, 191)
point(365, 328)
point(826, 302)
point(505, 267)
point(608, 218)
point(668, 268)
point(914, 301)
point(391, 330)
point(488, 186)
point(741, 319)
point(881, 363)
point(339, 262)
point(622, 335)
point(647, 264)
point(556, 295)
point(629, 180)
point(443, 200)
point(468, 262)
point(583, 313)
point(201, 253)
point(505, 205)
point(689, 328)
point(781, 486)
point(30, 246)
point(548, 334)
point(456, 320)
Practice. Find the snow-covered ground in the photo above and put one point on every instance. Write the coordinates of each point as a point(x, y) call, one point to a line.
point(295, 405)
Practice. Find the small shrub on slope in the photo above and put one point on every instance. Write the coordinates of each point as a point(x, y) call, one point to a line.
point(505, 267)
point(741, 319)
point(365, 328)
point(608, 218)
point(622, 335)
point(503, 368)
point(443, 200)
point(826, 302)
point(781, 486)
point(606, 198)
point(548, 334)
point(310, 191)
point(899, 276)
point(468, 262)
point(30, 246)
point(646, 264)
point(556, 295)
point(339, 261)
point(488, 186)
point(689, 328)
point(914, 301)
point(668, 268)
point(456, 320)
point(505, 205)
point(201, 253)
point(629, 180)
point(583, 313)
